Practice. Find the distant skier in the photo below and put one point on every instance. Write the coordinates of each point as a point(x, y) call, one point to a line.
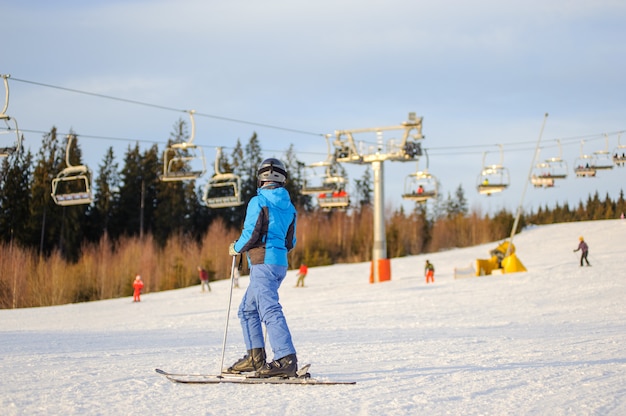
point(429, 272)
point(269, 233)
point(204, 278)
point(584, 251)
point(137, 286)
point(302, 272)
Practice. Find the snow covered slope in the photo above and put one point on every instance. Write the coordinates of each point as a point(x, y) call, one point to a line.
point(550, 341)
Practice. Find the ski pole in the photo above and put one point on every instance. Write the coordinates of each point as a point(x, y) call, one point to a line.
point(230, 300)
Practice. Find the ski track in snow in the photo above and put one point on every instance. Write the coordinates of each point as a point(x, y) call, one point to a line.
point(551, 341)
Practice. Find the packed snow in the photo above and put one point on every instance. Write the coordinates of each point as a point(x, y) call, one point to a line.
point(548, 341)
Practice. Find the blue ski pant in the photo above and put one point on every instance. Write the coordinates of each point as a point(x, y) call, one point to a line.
point(260, 305)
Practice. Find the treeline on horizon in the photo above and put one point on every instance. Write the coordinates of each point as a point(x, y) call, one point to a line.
point(52, 255)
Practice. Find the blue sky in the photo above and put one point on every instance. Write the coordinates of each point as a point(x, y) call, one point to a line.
point(481, 73)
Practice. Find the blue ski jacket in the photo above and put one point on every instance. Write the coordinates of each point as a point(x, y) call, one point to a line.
point(269, 230)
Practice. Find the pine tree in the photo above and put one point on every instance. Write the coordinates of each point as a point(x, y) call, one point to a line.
point(250, 165)
point(608, 207)
point(461, 201)
point(620, 206)
point(456, 206)
point(107, 183)
point(237, 158)
point(439, 208)
point(294, 185)
point(595, 209)
point(44, 225)
point(127, 217)
point(15, 180)
point(363, 189)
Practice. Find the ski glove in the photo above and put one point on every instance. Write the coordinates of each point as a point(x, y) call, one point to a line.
point(231, 250)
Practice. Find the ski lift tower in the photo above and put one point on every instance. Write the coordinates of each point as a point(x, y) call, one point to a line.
point(407, 149)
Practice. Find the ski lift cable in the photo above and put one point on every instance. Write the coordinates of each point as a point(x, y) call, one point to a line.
point(163, 107)
point(590, 137)
point(148, 141)
point(434, 151)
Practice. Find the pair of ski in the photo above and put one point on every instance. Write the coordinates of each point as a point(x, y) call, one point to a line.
point(302, 377)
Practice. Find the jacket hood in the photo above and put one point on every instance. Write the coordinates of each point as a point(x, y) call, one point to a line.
point(278, 197)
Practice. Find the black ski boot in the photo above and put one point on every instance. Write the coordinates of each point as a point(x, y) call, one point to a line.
point(253, 361)
point(284, 367)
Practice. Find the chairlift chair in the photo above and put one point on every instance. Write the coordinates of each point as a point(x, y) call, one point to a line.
point(223, 189)
point(331, 180)
point(331, 192)
point(11, 125)
point(183, 161)
point(9, 146)
point(557, 167)
point(72, 185)
point(602, 159)
point(493, 178)
point(420, 186)
point(619, 154)
point(338, 199)
point(328, 184)
point(583, 165)
point(542, 176)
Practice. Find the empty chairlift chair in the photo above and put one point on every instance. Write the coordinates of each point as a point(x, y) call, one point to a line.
point(223, 190)
point(329, 183)
point(13, 143)
point(183, 161)
point(72, 186)
point(557, 167)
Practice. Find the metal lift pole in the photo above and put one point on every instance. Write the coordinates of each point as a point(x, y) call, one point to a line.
point(408, 149)
point(519, 208)
point(379, 249)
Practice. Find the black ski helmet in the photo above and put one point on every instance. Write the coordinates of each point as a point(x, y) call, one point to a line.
point(272, 170)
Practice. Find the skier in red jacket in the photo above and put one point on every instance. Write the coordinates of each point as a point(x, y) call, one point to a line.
point(137, 285)
point(302, 272)
point(429, 272)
